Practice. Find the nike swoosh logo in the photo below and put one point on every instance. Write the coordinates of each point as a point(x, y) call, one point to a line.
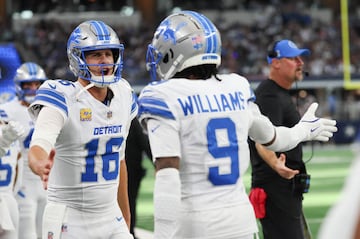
point(52, 86)
point(119, 219)
point(312, 130)
point(21, 194)
point(155, 128)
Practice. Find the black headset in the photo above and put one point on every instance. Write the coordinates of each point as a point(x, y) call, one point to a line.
point(272, 53)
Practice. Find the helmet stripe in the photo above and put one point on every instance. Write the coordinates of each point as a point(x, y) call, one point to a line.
point(209, 29)
point(102, 32)
point(31, 68)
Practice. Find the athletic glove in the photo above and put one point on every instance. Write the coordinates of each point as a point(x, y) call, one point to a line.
point(315, 128)
point(11, 132)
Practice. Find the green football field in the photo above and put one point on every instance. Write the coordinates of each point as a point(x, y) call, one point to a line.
point(328, 167)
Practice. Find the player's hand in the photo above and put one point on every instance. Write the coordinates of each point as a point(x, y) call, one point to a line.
point(283, 170)
point(11, 132)
point(315, 128)
point(47, 168)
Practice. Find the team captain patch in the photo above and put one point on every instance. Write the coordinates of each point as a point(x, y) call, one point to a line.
point(85, 114)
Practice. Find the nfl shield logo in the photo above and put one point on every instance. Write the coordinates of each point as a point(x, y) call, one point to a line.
point(109, 114)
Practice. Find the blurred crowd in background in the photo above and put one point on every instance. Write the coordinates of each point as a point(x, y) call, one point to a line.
point(311, 24)
point(244, 45)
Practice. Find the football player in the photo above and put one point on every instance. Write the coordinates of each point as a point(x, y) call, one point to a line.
point(10, 131)
point(198, 123)
point(9, 212)
point(79, 139)
point(30, 195)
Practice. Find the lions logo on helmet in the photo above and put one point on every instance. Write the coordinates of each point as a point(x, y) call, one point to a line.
point(28, 72)
point(183, 40)
point(90, 36)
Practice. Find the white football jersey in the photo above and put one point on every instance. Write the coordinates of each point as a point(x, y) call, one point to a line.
point(9, 212)
point(212, 119)
point(30, 195)
point(90, 145)
point(13, 110)
point(8, 168)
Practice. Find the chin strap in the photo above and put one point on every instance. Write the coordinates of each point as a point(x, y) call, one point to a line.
point(83, 90)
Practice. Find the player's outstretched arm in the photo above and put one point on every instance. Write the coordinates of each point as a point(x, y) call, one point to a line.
point(167, 196)
point(309, 128)
point(41, 162)
point(281, 139)
point(9, 132)
point(42, 153)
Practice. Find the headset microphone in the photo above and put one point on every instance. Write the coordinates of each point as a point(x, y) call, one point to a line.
point(306, 73)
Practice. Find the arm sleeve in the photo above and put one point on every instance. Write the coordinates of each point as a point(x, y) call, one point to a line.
point(261, 129)
point(167, 202)
point(278, 139)
point(47, 128)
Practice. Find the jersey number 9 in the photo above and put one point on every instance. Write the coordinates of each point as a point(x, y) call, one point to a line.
point(231, 150)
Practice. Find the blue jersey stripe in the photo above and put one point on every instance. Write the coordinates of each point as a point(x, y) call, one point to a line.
point(143, 109)
point(134, 106)
point(52, 101)
point(252, 96)
point(153, 101)
point(53, 94)
point(154, 106)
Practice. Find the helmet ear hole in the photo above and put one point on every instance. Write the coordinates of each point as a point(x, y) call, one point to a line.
point(166, 58)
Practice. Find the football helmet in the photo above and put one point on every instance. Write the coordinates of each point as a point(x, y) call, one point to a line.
point(89, 36)
point(28, 72)
point(182, 40)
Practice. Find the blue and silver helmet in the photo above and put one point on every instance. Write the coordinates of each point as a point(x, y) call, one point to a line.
point(182, 40)
point(28, 72)
point(91, 36)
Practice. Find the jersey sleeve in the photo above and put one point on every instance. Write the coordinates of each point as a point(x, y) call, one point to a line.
point(153, 104)
point(164, 139)
point(261, 129)
point(50, 94)
point(158, 118)
point(134, 106)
